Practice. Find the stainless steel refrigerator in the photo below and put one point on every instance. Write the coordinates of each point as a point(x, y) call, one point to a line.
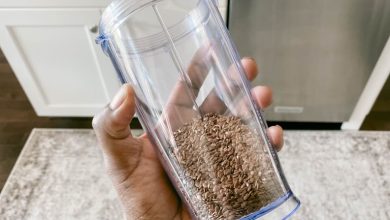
point(317, 55)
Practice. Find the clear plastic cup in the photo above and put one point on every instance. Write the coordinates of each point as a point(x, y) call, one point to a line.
point(194, 101)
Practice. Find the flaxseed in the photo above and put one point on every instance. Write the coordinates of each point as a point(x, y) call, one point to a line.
point(227, 167)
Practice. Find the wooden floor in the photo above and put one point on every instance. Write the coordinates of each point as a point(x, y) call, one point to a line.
point(17, 118)
point(379, 117)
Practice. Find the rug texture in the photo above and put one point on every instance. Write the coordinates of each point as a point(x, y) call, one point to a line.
point(336, 175)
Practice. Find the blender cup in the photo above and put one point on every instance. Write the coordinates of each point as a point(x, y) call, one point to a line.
point(194, 101)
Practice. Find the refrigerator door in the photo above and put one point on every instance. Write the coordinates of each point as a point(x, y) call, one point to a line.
point(316, 54)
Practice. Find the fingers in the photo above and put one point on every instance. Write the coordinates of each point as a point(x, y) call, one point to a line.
point(262, 96)
point(188, 86)
point(112, 129)
point(275, 134)
point(199, 67)
point(250, 67)
point(212, 103)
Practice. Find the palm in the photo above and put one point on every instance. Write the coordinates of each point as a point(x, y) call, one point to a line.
point(149, 180)
point(151, 185)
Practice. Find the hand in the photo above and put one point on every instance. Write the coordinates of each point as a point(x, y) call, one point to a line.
point(142, 185)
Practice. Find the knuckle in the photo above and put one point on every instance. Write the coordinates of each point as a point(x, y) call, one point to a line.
point(95, 122)
point(99, 118)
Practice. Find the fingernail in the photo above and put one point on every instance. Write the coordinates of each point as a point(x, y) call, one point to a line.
point(118, 98)
point(250, 58)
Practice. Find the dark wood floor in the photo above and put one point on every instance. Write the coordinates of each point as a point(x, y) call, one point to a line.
point(17, 118)
point(379, 117)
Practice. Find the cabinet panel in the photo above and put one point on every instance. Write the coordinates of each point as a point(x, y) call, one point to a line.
point(53, 3)
point(61, 63)
point(57, 62)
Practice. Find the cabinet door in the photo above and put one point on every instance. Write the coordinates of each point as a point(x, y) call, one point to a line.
point(54, 3)
point(55, 58)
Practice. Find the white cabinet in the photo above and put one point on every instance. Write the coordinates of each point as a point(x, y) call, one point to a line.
point(55, 58)
point(50, 45)
point(54, 3)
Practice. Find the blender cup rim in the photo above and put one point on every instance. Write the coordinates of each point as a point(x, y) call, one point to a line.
point(119, 10)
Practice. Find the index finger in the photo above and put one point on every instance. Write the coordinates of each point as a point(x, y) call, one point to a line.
point(187, 88)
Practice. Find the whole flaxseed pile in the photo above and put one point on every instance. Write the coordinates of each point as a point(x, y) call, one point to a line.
point(226, 167)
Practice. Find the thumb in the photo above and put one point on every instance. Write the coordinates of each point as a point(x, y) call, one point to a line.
point(112, 129)
point(113, 122)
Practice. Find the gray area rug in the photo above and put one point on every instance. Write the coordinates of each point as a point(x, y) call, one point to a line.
point(336, 175)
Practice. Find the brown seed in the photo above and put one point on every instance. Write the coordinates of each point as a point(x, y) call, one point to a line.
point(226, 166)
